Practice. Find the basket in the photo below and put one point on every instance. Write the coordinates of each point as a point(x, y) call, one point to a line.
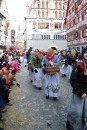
point(52, 70)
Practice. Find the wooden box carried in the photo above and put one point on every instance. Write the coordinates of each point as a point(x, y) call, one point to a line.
point(52, 70)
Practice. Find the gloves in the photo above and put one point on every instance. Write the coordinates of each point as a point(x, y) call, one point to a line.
point(31, 70)
point(35, 71)
point(18, 85)
point(66, 64)
point(44, 64)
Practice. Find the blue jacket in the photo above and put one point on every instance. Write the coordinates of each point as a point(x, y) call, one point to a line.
point(55, 61)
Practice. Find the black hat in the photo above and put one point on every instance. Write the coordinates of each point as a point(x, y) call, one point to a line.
point(84, 50)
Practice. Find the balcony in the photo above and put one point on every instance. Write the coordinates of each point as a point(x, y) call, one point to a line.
point(77, 42)
point(77, 26)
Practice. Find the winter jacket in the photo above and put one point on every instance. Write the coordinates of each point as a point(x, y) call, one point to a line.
point(78, 80)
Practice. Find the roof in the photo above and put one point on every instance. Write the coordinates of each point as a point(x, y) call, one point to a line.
point(67, 11)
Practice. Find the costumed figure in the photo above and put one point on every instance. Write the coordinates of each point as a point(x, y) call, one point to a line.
point(31, 74)
point(36, 65)
point(15, 64)
point(25, 58)
point(28, 54)
point(71, 60)
point(77, 112)
point(3, 62)
point(63, 67)
point(51, 84)
point(21, 56)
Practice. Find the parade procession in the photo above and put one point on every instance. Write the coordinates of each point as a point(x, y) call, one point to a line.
point(43, 65)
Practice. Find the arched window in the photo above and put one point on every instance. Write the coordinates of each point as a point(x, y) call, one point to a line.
point(63, 14)
point(55, 5)
point(59, 5)
point(43, 4)
point(38, 13)
point(60, 14)
point(47, 4)
point(55, 14)
point(42, 13)
point(60, 25)
point(63, 7)
point(46, 14)
point(38, 4)
point(34, 13)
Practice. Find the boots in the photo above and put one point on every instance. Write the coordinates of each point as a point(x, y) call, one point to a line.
point(68, 126)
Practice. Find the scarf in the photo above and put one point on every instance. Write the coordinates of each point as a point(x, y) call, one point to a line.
point(50, 58)
point(83, 66)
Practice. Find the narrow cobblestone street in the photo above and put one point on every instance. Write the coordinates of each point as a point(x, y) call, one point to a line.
point(32, 111)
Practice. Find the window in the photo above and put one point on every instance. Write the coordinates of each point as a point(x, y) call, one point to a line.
point(80, 34)
point(63, 14)
point(60, 25)
point(47, 25)
point(63, 7)
point(76, 19)
point(38, 13)
point(38, 5)
point(47, 14)
point(76, 34)
point(72, 37)
point(80, 18)
point(43, 25)
point(59, 5)
point(42, 4)
point(56, 25)
point(64, 26)
point(72, 23)
point(47, 4)
point(85, 32)
point(55, 5)
point(42, 13)
point(59, 14)
point(34, 25)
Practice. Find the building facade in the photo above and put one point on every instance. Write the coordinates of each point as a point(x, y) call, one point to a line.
point(19, 39)
point(45, 20)
point(12, 36)
point(5, 29)
point(76, 24)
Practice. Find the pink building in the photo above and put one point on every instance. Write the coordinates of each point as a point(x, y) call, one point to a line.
point(76, 24)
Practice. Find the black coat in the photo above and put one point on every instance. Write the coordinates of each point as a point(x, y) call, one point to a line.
point(78, 80)
point(71, 60)
point(1, 86)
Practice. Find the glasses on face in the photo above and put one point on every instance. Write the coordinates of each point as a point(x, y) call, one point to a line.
point(36, 51)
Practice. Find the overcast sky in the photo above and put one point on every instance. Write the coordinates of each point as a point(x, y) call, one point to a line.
point(17, 12)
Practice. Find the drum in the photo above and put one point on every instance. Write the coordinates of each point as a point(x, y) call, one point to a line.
point(52, 70)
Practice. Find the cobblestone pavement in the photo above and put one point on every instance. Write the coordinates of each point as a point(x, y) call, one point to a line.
point(32, 111)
